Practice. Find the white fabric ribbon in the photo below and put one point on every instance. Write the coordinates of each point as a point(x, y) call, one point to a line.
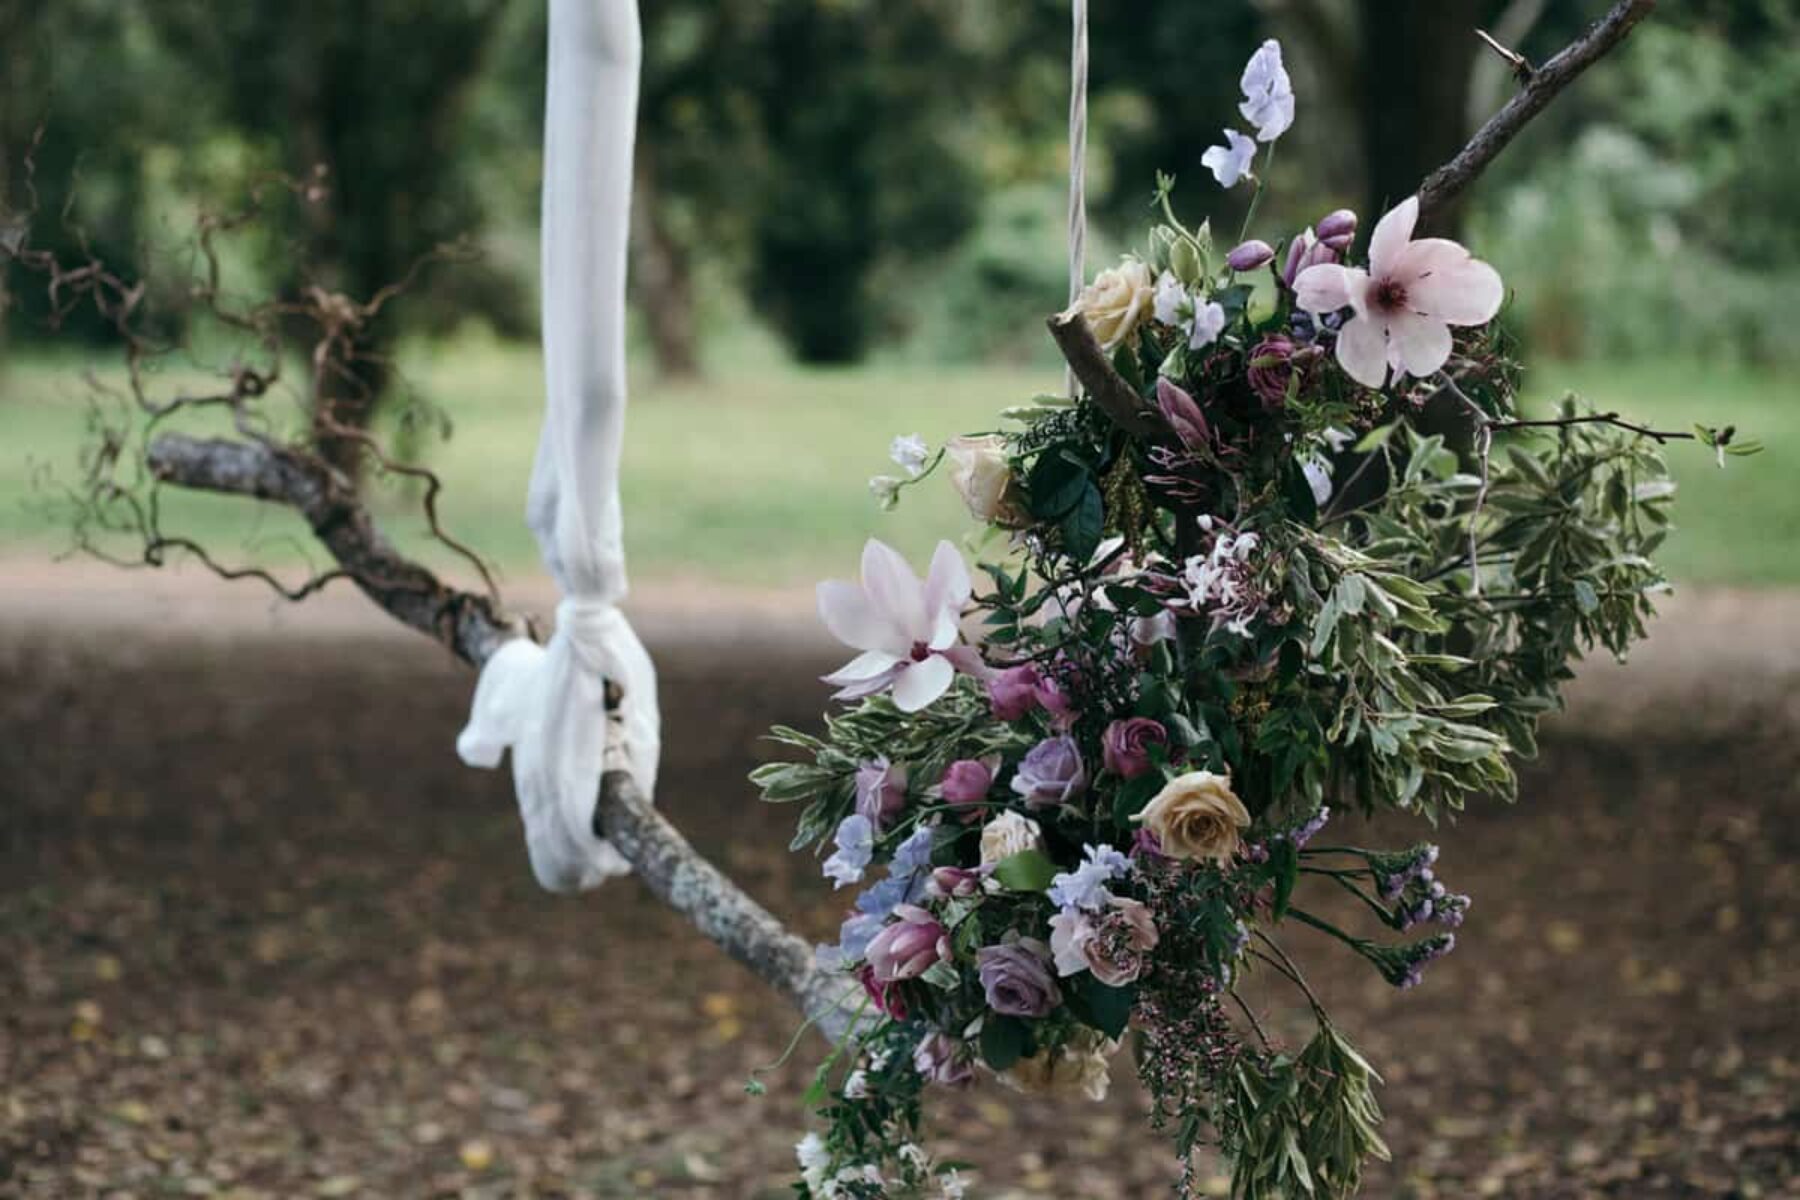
point(548, 703)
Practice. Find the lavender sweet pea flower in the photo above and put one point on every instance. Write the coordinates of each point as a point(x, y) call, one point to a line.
point(1014, 691)
point(1209, 323)
point(967, 781)
point(1230, 162)
point(1017, 980)
point(1125, 746)
point(1268, 92)
point(880, 790)
point(907, 948)
point(907, 630)
point(855, 847)
point(1051, 773)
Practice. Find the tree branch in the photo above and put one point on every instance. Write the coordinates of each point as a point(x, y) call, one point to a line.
point(473, 628)
point(1105, 386)
point(1542, 86)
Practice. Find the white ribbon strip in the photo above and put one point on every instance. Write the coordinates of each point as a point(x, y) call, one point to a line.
point(548, 704)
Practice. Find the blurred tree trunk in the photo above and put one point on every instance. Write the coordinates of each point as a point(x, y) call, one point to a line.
point(662, 275)
point(1415, 75)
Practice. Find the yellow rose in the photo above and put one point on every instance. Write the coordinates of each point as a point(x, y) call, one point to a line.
point(1078, 1066)
point(1116, 301)
point(1196, 816)
point(1009, 834)
point(982, 477)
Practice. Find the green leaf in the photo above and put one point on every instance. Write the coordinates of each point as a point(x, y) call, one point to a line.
point(1107, 1009)
point(1081, 527)
point(1284, 864)
point(1055, 484)
point(1003, 1041)
point(1026, 871)
point(1376, 438)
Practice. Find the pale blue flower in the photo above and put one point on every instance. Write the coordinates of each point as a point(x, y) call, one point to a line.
point(1230, 162)
point(1085, 887)
point(855, 840)
point(1268, 93)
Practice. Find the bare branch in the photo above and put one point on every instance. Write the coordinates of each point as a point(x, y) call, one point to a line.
point(471, 626)
point(1542, 86)
point(1118, 399)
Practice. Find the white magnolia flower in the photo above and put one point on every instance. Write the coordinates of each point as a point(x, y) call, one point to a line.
point(1209, 323)
point(1230, 162)
point(1405, 302)
point(1268, 93)
point(909, 452)
point(907, 630)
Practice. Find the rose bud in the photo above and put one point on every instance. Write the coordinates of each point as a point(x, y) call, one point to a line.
point(1252, 254)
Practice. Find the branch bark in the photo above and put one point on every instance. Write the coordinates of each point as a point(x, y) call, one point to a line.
point(1105, 386)
point(1544, 84)
point(472, 627)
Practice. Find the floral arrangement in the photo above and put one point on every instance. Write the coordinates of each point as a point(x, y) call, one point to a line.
point(1242, 584)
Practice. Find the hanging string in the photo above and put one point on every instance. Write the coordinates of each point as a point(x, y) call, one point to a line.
point(1078, 72)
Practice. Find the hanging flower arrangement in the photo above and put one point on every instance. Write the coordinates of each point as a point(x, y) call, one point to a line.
point(1237, 586)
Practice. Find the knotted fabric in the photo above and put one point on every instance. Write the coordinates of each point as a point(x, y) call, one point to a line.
point(548, 703)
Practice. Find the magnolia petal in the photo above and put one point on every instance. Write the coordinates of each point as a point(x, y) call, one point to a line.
point(1362, 351)
point(868, 687)
point(922, 682)
point(894, 591)
point(864, 667)
point(1392, 234)
point(968, 660)
point(1419, 345)
point(1445, 281)
point(947, 584)
point(1327, 287)
point(847, 613)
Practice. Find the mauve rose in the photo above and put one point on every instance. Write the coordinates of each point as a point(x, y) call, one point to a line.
point(944, 1060)
point(1017, 979)
point(1122, 936)
point(885, 996)
point(880, 790)
point(1125, 746)
point(1051, 773)
point(967, 781)
point(1014, 691)
point(907, 948)
point(1271, 365)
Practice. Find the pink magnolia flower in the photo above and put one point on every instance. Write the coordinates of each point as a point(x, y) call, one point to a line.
point(906, 630)
point(1405, 302)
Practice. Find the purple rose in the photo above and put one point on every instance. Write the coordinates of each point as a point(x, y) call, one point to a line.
point(1017, 978)
point(1014, 691)
point(880, 790)
point(967, 780)
point(907, 948)
point(944, 1060)
point(1247, 256)
point(1051, 773)
point(1125, 746)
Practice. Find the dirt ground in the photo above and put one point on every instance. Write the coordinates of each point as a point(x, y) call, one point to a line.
point(262, 935)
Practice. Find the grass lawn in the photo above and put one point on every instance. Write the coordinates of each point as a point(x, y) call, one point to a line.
point(758, 475)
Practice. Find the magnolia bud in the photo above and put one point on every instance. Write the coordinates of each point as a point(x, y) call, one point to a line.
point(1338, 230)
point(1250, 255)
point(1296, 253)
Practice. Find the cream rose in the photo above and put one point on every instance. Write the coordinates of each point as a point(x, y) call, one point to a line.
point(983, 478)
point(1008, 834)
point(1080, 1065)
point(1116, 301)
point(1196, 816)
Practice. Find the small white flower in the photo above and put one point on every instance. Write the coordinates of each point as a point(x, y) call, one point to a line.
point(953, 1186)
point(909, 451)
point(1337, 438)
point(885, 489)
point(1268, 93)
point(1318, 477)
point(914, 1156)
point(1172, 303)
point(814, 1160)
point(856, 1087)
point(1209, 323)
point(1230, 162)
